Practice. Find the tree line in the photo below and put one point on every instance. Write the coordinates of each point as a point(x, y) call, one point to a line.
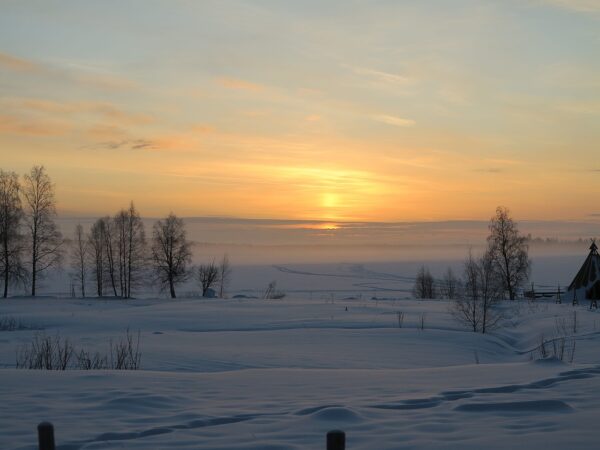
point(113, 255)
point(30, 241)
point(499, 273)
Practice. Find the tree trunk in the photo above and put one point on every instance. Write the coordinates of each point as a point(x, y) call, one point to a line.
point(130, 254)
point(82, 281)
point(6, 265)
point(484, 319)
point(6, 281)
point(34, 256)
point(172, 287)
point(33, 278)
point(100, 275)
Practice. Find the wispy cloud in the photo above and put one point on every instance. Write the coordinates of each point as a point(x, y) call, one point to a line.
point(393, 120)
point(16, 64)
point(106, 110)
point(131, 144)
point(235, 83)
point(89, 78)
point(490, 170)
point(592, 6)
point(31, 127)
point(503, 161)
point(105, 81)
point(385, 77)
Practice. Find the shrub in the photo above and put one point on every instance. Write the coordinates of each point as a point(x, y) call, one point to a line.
point(56, 353)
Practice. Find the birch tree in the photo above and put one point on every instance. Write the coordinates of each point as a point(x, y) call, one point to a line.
point(12, 269)
point(130, 245)
point(482, 290)
point(96, 256)
point(509, 251)
point(424, 284)
point(170, 252)
point(110, 252)
point(224, 275)
point(208, 275)
point(45, 240)
point(80, 250)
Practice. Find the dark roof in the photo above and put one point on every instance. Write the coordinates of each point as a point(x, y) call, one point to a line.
point(589, 272)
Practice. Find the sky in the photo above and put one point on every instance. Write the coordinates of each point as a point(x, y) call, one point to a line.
point(314, 110)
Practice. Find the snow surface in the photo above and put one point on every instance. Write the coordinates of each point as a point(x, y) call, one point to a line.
point(278, 374)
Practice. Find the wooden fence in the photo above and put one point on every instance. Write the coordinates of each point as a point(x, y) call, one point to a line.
point(336, 439)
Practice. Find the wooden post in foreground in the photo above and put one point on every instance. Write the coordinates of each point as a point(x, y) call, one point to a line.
point(336, 440)
point(46, 436)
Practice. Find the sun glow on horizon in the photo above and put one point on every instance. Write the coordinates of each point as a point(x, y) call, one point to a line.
point(256, 118)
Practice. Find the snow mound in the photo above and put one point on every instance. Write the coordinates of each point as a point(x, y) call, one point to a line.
point(336, 414)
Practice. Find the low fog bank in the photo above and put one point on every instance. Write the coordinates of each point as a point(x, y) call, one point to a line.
point(353, 259)
point(263, 241)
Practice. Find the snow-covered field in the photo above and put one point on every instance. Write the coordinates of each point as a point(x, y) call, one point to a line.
point(278, 374)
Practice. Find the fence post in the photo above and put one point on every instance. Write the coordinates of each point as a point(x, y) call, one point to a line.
point(336, 440)
point(46, 436)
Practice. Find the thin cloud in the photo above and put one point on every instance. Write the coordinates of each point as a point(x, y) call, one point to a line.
point(16, 64)
point(234, 83)
point(106, 82)
point(385, 77)
point(104, 109)
point(99, 80)
point(589, 6)
point(396, 121)
point(202, 129)
point(29, 127)
point(503, 162)
point(128, 144)
point(582, 107)
point(490, 170)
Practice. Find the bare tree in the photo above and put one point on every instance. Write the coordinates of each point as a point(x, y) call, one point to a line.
point(130, 246)
point(96, 256)
point(12, 269)
point(120, 240)
point(208, 275)
point(509, 251)
point(136, 249)
point(424, 284)
point(224, 275)
point(467, 309)
point(79, 257)
point(110, 251)
point(171, 252)
point(450, 286)
point(481, 292)
point(490, 286)
point(45, 239)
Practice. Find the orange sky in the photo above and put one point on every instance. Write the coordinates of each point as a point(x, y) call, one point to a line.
point(376, 111)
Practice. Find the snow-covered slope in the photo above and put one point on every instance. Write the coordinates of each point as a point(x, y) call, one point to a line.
point(257, 374)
